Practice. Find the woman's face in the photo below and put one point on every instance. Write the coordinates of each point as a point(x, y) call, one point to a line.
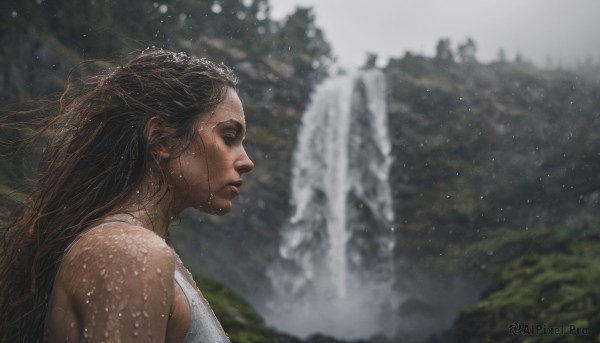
point(208, 173)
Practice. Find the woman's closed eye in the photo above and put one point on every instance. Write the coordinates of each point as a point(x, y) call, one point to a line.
point(229, 138)
point(231, 131)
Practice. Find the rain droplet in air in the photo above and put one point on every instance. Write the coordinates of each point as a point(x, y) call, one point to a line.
point(216, 8)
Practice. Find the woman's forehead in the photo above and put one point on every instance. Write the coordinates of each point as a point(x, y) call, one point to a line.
point(230, 110)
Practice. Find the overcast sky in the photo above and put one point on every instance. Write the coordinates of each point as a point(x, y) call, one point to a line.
point(563, 30)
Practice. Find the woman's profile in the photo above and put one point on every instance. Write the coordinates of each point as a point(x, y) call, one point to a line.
point(86, 257)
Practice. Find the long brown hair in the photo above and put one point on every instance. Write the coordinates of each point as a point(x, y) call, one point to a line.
point(96, 156)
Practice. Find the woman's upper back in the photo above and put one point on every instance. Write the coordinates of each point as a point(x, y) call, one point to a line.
point(116, 283)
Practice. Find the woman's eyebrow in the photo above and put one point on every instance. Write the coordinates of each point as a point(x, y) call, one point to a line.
point(239, 126)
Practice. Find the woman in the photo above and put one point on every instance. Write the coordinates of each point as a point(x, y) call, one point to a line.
point(86, 258)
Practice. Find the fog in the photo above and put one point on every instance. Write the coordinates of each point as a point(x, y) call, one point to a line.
point(546, 32)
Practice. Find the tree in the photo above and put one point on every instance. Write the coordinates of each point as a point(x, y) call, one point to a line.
point(371, 61)
point(443, 52)
point(501, 56)
point(467, 50)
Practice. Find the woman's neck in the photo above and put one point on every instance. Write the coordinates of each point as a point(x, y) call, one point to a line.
point(149, 209)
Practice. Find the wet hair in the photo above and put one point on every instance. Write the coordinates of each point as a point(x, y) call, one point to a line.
point(98, 153)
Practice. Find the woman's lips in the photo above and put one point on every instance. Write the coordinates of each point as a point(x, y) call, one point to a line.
point(235, 186)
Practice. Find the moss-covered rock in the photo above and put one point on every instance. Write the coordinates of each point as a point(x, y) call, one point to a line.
point(241, 322)
point(539, 294)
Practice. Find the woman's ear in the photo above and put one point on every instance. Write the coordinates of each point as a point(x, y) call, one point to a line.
point(157, 134)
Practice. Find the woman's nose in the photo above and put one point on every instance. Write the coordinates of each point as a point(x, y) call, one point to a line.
point(244, 164)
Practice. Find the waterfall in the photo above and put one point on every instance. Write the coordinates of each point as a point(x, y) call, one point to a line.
point(336, 270)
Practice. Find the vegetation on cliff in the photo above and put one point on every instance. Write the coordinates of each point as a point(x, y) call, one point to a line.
point(496, 178)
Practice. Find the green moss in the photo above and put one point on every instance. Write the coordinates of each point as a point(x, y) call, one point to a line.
point(553, 290)
point(241, 322)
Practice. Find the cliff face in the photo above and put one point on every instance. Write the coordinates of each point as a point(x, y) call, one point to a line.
point(495, 178)
point(482, 147)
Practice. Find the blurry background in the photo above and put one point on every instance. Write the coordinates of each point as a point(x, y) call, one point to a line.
point(491, 111)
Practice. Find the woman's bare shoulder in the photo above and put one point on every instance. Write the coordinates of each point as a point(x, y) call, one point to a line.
point(118, 252)
point(120, 238)
point(115, 276)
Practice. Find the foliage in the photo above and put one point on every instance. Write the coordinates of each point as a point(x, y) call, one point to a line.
point(554, 290)
point(241, 322)
point(496, 178)
point(491, 146)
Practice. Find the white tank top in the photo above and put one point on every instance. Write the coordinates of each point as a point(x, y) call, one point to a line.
point(204, 326)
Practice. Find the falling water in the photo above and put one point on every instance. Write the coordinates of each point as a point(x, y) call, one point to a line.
point(336, 270)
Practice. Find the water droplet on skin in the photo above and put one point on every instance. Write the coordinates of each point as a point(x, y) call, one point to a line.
point(145, 314)
point(135, 273)
point(84, 266)
point(120, 314)
point(106, 309)
point(136, 324)
point(72, 324)
point(135, 333)
point(158, 271)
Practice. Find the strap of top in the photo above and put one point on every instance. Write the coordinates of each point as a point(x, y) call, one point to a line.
point(204, 326)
